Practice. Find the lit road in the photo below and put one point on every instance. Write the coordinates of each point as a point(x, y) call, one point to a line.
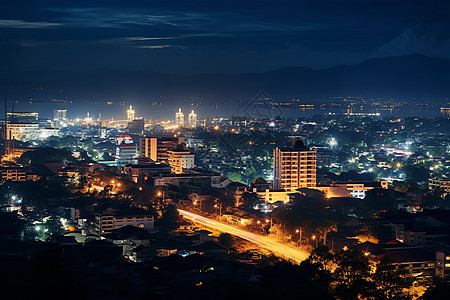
point(278, 248)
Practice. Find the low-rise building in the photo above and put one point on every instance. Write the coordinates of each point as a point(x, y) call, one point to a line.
point(110, 219)
point(442, 184)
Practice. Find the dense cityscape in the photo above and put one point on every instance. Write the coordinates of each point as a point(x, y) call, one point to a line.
point(225, 149)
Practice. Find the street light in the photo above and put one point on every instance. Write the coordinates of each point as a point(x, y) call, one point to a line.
point(314, 239)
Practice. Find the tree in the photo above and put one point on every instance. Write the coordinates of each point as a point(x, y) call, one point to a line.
point(324, 227)
point(171, 217)
point(234, 176)
point(227, 240)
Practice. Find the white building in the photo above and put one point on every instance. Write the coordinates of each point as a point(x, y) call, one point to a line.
point(60, 115)
point(130, 114)
point(181, 159)
point(179, 118)
point(126, 152)
point(22, 131)
point(192, 119)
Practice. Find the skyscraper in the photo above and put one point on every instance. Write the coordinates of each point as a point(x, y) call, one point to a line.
point(60, 115)
point(294, 167)
point(192, 119)
point(130, 114)
point(179, 118)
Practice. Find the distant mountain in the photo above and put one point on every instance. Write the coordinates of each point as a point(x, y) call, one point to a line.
point(402, 76)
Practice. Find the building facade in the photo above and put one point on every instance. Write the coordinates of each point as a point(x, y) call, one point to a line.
point(294, 167)
point(156, 148)
point(179, 118)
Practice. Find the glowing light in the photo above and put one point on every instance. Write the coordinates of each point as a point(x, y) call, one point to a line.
point(313, 237)
point(159, 193)
point(140, 188)
point(345, 248)
point(112, 181)
point(37, 228)
point(398, 165)
point(297, 231)
point(216, 127)
point(366, 253)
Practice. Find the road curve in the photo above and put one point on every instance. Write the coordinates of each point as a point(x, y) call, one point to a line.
point(278, 248)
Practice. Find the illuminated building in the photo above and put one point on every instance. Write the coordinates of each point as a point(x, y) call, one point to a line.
point(156, 148)
point(130, 114)
point(443, 185)
point(23, 117)
point(179, 118)
point(126, 152)
point(180, 159)
point(112, 219)
point(192, 120)
point(294, 167)
point(445, 111)
point(60, 115)
point(22, 131)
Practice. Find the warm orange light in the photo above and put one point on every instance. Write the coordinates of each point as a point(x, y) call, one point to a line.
point(216, 127)
point(313, 237)
point(267, 220)
point(259, 222)
point(71, 228)
point(328, 196)
point(366, 253)
point(112, 181)
point(345, 248)
point(297, 231)
point(118, 184)
point(159, 193)
point(140, 188)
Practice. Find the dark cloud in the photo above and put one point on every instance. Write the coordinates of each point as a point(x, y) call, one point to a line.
point(220, 36)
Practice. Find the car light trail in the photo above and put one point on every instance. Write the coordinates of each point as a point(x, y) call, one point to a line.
point(278, 248)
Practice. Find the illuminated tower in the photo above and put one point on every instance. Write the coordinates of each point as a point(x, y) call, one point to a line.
point(179, 118)
point(294, 167)
point(192, 120)
point(130, 114)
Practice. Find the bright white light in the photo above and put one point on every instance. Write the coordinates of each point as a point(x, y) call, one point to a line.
point(37, 228)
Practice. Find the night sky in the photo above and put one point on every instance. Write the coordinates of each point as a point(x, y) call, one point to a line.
point(188, 37)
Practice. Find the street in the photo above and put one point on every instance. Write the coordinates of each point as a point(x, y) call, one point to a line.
point(278, 248)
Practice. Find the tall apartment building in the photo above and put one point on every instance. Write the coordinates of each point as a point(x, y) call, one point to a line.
point(156, 148)
point(180, 159)
point(179, 118)
point(126, 151)
point(130, 114)
point(60, 115)
point(294, 167)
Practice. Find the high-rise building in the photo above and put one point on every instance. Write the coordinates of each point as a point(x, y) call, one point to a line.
point(180, 159)
point(156, 148)
point(126, 152)
point(192, 119)
point(130, 114)
point(60, 115)
point(179, 118)
point(294, 167)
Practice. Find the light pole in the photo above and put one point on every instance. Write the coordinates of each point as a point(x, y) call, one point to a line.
point(299, 231)
point(314, 239)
